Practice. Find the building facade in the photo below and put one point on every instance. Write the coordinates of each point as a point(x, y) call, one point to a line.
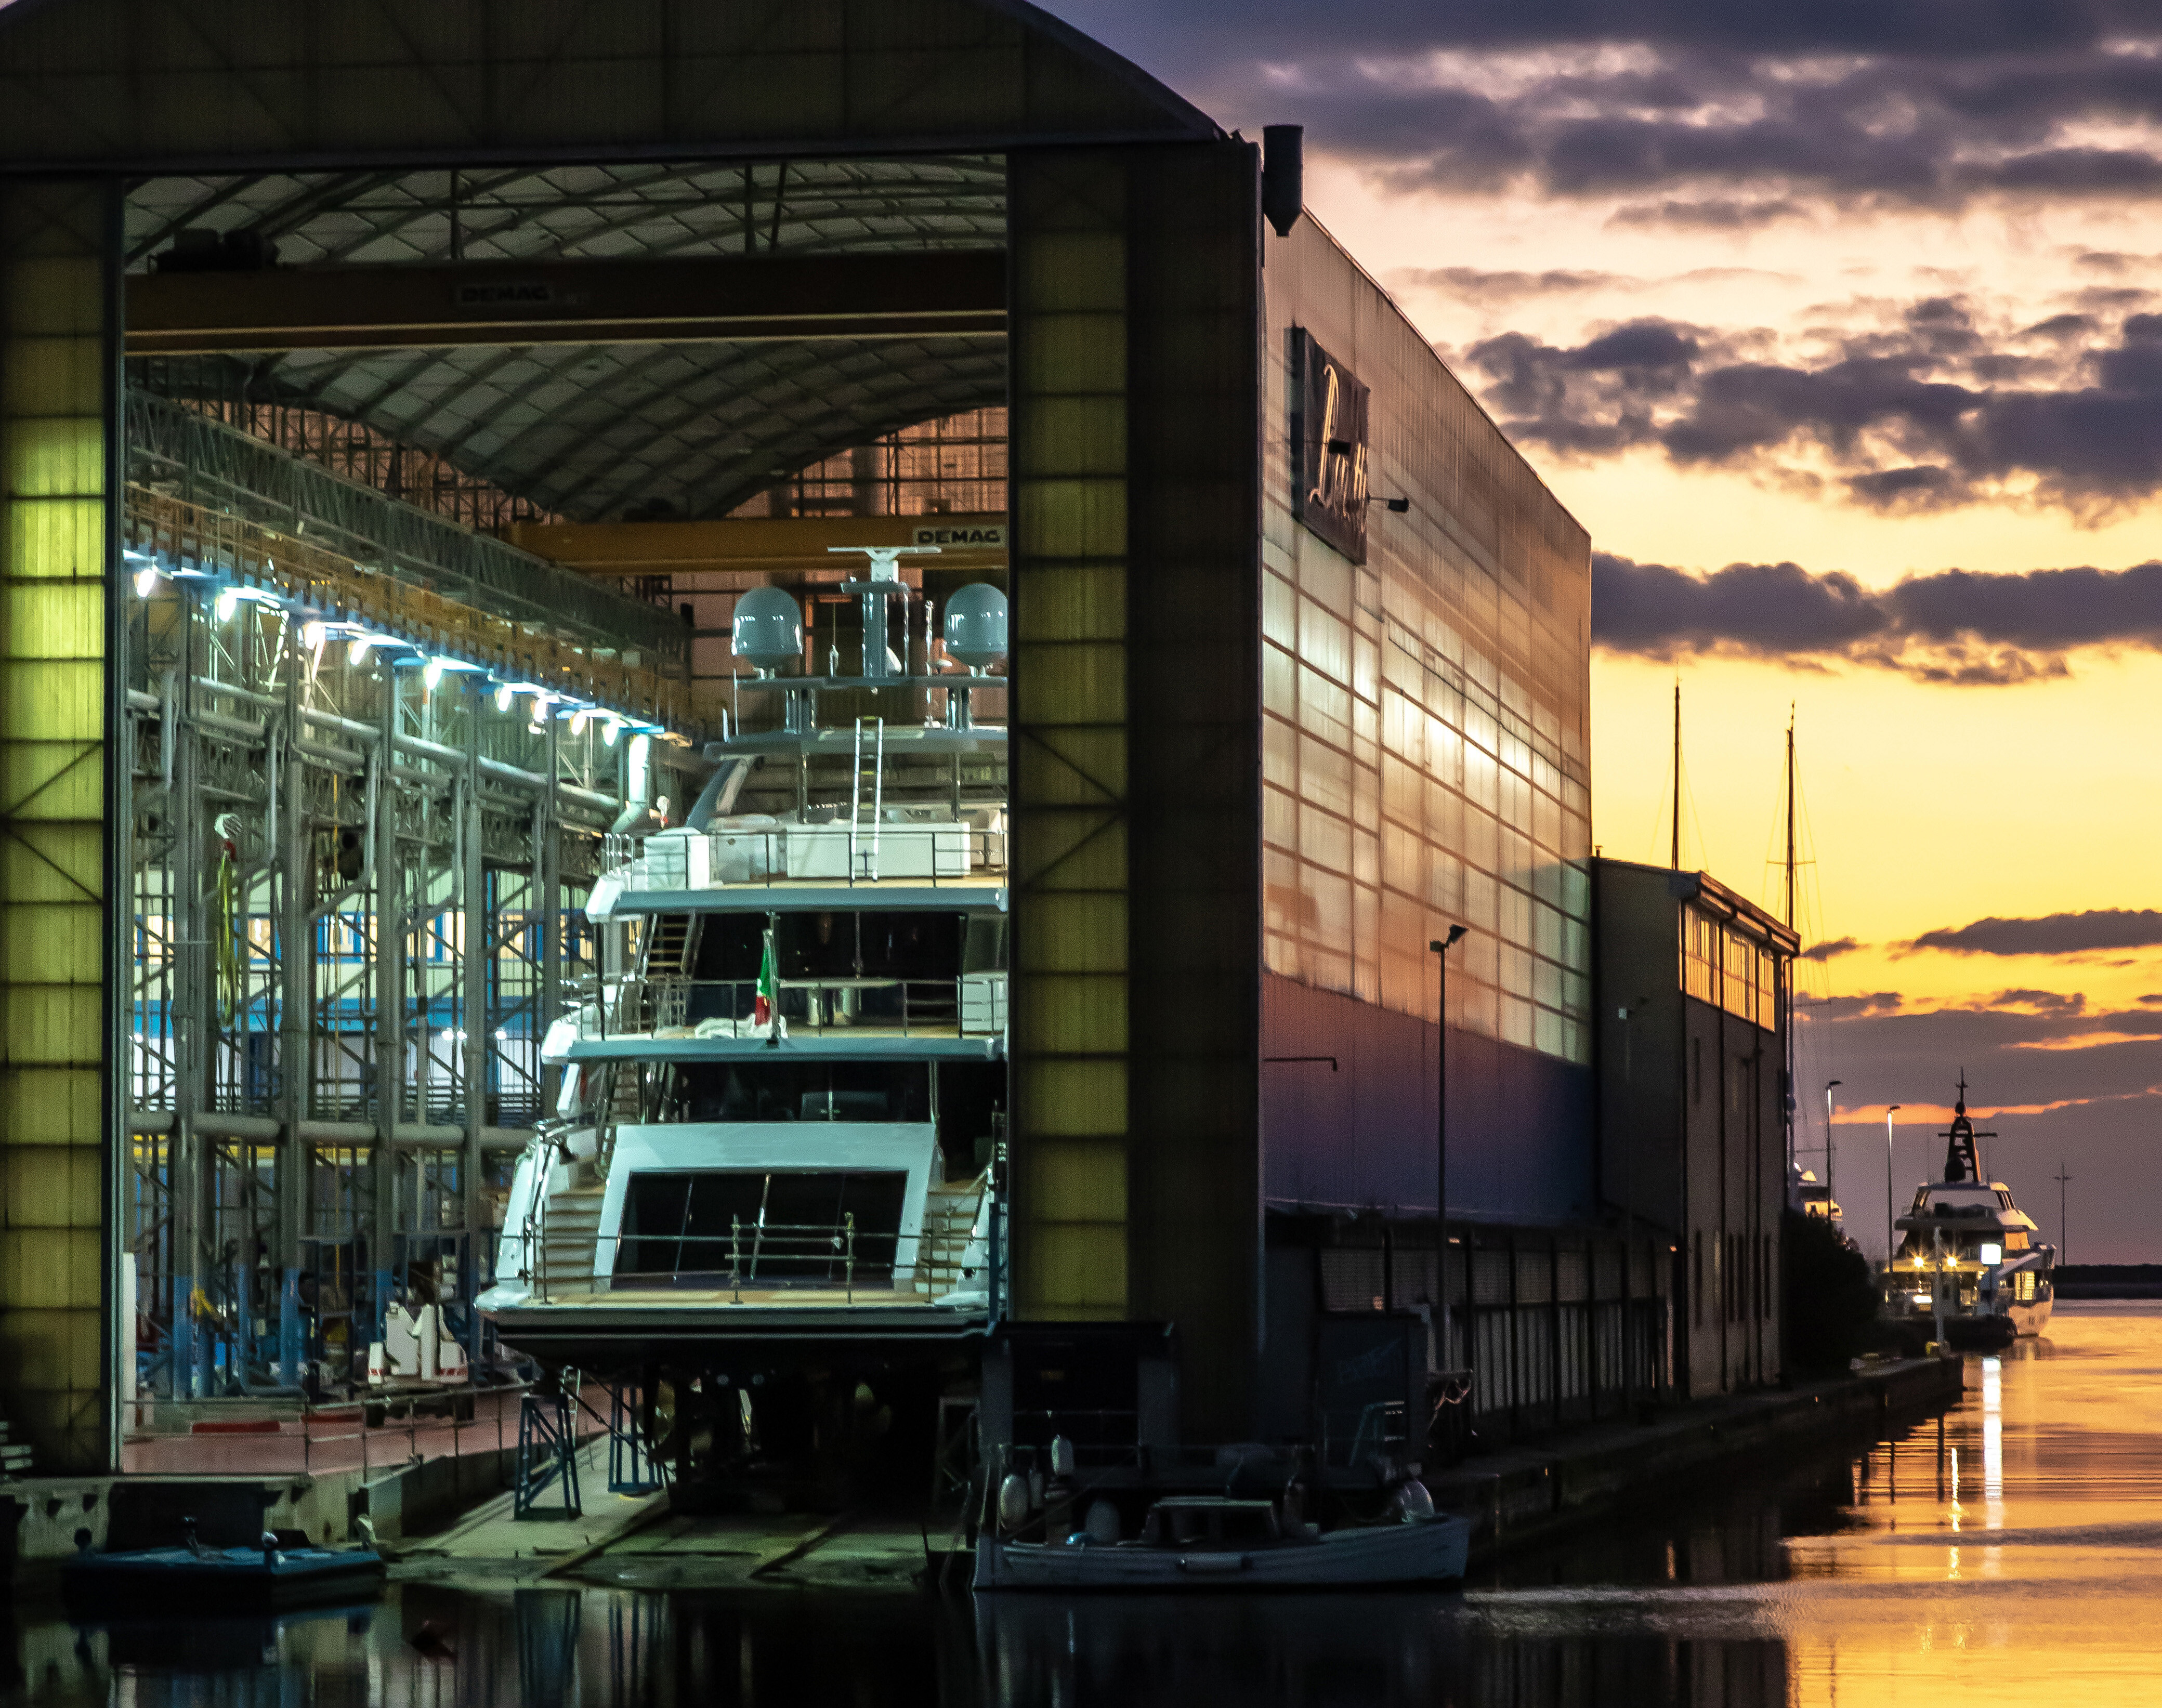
point(1693, 1017)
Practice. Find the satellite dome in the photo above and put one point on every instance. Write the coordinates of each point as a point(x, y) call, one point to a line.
point(976, 626)
point(767, 631)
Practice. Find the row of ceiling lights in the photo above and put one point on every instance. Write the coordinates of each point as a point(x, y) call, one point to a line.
point(361, 641)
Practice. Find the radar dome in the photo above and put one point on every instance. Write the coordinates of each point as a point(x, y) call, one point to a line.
point(767, 631)
point(976, 626)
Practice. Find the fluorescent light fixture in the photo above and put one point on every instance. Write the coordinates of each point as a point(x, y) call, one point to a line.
point(146, 582)
point(312, 636)
point(228, 601)
point(505, 693)
point(431, 678)
point(608, 735)
point(578, 721)
point(357, 654)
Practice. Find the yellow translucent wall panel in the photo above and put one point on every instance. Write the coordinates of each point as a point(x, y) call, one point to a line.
point(55, 356)
point(1069, 1037)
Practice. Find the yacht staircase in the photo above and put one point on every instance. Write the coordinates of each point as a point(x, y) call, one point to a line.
point(665, 966)
point(949, 1215)
point(569, 1226)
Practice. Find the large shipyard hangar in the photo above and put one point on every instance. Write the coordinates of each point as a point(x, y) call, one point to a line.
point(455, 456)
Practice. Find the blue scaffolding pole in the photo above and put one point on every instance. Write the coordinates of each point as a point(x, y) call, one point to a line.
point(548, 1451)
point(632, 1467)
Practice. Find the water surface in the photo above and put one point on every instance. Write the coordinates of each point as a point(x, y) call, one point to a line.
point(2015, 1547)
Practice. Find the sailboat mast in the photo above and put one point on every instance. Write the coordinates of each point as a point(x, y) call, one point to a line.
point(1788, 1101)
point(1675, 858)
point(1790, 818)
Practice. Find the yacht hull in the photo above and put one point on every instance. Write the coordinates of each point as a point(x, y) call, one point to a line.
point(1378, 1557)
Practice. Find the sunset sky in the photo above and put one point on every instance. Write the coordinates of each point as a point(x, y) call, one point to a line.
point(1840, 325)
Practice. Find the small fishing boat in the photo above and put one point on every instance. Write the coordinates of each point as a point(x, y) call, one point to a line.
point(281, 1571)
point(1969, 1259)
point(1216, 1543)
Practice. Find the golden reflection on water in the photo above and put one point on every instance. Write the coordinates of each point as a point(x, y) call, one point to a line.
point(2050, 1581)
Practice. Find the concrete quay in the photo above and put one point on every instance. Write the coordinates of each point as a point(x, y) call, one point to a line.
point(1532, 1494)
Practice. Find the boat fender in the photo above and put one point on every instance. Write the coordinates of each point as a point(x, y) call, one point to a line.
point(1013, 1501)
point(1414, 1504)
point(1062, 1456)
point(1102, 1522)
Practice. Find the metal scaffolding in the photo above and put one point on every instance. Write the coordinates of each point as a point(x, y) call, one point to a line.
point(354, 885)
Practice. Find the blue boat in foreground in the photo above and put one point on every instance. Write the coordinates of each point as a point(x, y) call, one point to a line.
point(280, 1572)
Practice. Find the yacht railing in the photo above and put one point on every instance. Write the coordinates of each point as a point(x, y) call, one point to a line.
point(812, 1260)
point(843, 852)
point(636, 1006)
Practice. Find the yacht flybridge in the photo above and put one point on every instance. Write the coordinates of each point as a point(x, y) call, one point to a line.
point(783, 1106)
point(1969, 1259)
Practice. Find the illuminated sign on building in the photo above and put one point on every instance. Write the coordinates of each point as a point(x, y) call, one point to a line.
point(1329, 442)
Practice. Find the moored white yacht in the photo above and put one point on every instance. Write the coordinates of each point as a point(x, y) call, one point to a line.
point(783, 1109)
point(1970, 1259)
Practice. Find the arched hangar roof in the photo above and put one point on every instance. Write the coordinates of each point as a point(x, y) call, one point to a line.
point(156, 86)
point(468, 131)
point(587, 429)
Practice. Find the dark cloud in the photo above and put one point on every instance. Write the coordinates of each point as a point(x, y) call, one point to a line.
point(2040, 1002)
point(1713, 113)
point(2055, 934)
point(1168, 38)
point(1953, 626)
point(1479, 285)
point(1848, 1007)
point(1715, 213)
point(1913, 488)
point(1928, 409)
point(1826, 951)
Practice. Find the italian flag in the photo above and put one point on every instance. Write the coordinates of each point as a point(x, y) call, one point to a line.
point(762, 1012)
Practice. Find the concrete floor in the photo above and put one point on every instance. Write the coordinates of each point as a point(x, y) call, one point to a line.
point(330, 1439)
point(632, 1541)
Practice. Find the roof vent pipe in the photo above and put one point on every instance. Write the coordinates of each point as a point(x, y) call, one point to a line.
point(1283, 175)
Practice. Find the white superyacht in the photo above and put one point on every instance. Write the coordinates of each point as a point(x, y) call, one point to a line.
point(775, 1156)
point(1970, 1259)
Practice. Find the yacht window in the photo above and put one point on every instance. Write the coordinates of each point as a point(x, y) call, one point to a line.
point(758, 1091)
point(714, 1228)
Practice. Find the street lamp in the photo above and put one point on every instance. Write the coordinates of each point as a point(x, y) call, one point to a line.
point(1889, 1198)
point(1440, 947)
point(1832, 1197)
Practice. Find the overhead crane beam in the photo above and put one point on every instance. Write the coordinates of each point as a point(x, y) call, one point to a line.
point(800, 547)
point(721, 298)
